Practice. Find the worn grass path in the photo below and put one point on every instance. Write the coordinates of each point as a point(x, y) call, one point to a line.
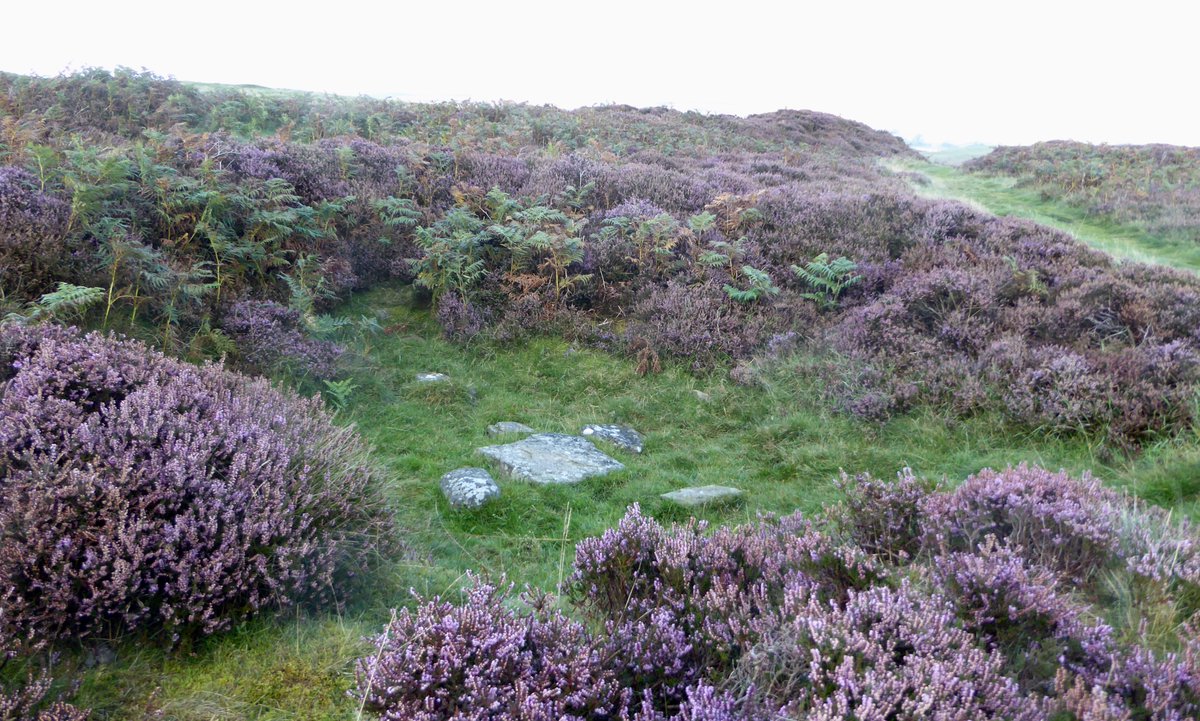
point(1003, 196)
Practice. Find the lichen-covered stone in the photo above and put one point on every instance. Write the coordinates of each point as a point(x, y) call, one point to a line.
point(469, 487)
point(703, 496)
point(551, 458)
point(620, 436)
point(507, 427)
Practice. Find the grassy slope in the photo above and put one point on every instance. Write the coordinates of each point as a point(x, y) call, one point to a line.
point(1001, 196)
point(778, 441)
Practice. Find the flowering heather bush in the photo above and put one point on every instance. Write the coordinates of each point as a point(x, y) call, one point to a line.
point(488, 171)
point(1159, 547)
point(270, 339)
point(1018, 609)
point(700, 323)
point(686, 604)
point(1139, 685)
point(32, 233)
point(886, 654)
point(480, 661)
point(1161, 687)
point(138, 492)
point(884, 518)
point(460, 320)
point(1154, 386)
point(1059, 390)
point(313, 171)
point(971, 312)
point(1067, 525)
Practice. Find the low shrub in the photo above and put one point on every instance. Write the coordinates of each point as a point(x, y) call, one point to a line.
point(139, 492)
point(884, 518)
point(27, 702)
point(700, 323)
point(271, 340)
point(1141, 684)
point(33, 228)
point(480, 660)
point(886, 654)
point(1067, 525)
point(460, 320)
point(1017, 608)
point(687, 604)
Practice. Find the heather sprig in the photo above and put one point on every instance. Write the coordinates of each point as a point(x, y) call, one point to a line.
point(1065, 524)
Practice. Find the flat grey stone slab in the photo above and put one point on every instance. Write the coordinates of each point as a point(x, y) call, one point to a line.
point(469, 487)
point(505, 427)
point(703, 496)
point(620, 436)
point(551, 458)
point(432, 377)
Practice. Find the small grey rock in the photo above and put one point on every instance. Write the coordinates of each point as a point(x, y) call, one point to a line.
point(469, 487)
point(551, 458)
point(100, 655)
point(702, 396)
point(432, 377)
point(703, 496)
point(620, 436)
point(505, 427)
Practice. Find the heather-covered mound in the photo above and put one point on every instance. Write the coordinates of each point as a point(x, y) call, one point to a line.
point(911, 602)
point(142, 493)
point(1152, 187)
point(708, 239)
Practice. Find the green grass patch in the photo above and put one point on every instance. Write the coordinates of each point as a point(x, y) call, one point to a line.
point(1003, 196)
point(779, 441)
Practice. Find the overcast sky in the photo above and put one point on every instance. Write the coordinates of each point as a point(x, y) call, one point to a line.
point(1010, 72)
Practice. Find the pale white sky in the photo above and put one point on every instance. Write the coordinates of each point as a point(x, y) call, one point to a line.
point(1014, 72)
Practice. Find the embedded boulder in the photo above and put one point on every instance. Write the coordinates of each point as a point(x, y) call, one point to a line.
point(469, 487)
point(432, 377)
point(703, 496)
point(551, 458)
point(506, 427)
point(620, 436)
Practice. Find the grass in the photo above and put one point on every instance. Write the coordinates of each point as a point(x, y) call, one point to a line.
point(778, 441)
point(1003, 196)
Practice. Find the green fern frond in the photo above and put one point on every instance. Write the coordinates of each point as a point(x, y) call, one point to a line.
point(67, 299)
